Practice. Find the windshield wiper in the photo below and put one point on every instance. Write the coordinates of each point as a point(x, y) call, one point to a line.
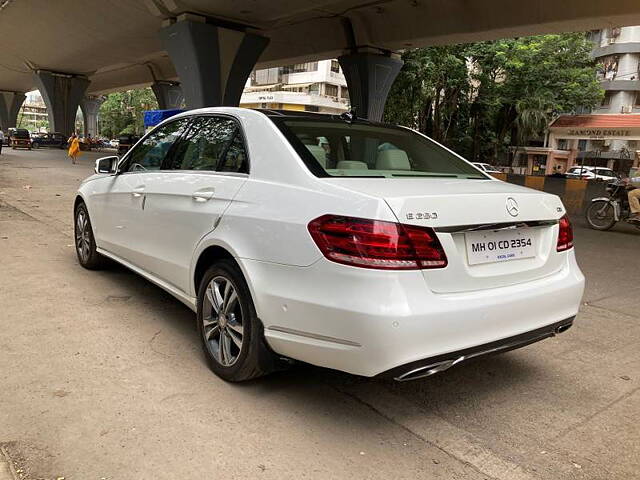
point(357, 176)
point(445, 175)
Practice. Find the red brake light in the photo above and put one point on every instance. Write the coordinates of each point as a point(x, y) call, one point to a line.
point(565, 234)
point(377, 244)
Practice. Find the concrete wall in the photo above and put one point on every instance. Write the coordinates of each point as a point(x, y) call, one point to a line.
point(575, 194)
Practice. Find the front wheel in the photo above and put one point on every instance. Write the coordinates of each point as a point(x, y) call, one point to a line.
point(85, 242)
point(231, 333)
point(601, 215)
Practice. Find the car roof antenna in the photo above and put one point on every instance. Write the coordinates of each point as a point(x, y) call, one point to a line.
point(349, 116)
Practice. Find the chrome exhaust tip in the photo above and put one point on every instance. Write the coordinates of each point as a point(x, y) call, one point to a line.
point(429, 370)
point(563, 328)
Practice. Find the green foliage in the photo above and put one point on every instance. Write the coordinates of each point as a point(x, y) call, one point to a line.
point(479, 98)
point(122, 112)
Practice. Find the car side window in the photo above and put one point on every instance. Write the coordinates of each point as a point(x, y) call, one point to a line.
point(210, 144)
point(150, 154)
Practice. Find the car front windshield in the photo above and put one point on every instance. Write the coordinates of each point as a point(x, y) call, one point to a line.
point(339, 148)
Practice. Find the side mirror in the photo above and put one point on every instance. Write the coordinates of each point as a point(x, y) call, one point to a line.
point(107, 165)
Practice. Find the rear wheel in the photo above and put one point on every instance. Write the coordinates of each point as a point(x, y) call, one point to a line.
point(231, 333)
point(85, 242)
point(601, 215)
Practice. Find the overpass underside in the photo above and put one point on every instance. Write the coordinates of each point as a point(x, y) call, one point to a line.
point(74, 51)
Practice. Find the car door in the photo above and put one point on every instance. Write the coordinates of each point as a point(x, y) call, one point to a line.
point(200, 179)
point(120, 204)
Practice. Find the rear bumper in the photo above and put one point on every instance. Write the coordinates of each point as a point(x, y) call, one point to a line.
point(440, 363)
point(368, 322)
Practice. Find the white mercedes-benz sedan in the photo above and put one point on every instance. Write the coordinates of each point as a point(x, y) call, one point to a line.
point(331, 240)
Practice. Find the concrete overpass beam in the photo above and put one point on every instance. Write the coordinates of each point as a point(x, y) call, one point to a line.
point(90, 107)
point(10, 103)
point(168, 94)
point(62, 94)
point(369, 78)
point(213, 62)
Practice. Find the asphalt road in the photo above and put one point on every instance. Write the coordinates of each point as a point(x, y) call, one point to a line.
point(101, 377)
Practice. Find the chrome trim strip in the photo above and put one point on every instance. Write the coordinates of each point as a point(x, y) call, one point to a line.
point(315, 336)
point(443, 365)
point(495, 226)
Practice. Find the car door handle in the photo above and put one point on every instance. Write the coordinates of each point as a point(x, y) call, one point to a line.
point(202, 195)
point(138, 191)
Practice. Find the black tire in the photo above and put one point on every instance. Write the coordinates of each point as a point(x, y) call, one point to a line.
point(84, 240)
point(252, 358)
point(596, 220)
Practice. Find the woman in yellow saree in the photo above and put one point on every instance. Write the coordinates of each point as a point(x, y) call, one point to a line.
point(74, 148)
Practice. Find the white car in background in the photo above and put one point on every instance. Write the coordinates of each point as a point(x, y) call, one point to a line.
point(592, 173)
point(485, 167)
point(346, 244)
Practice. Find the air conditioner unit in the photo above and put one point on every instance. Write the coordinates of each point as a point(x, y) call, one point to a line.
point(612, 40)
point(627, 109)
point(607, 143)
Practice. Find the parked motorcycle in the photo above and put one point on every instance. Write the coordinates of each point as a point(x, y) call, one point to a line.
point(605, 212)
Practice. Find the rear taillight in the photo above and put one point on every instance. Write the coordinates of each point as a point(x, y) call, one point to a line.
point(565, 234)
point(377, 244)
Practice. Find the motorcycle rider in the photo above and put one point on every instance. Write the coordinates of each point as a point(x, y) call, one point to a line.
point(634, 198)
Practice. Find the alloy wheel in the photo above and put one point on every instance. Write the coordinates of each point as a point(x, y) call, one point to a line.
point(223, 321)
point(83, 236)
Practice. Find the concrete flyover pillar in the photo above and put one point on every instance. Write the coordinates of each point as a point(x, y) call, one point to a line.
point(10, 103)
point(213, 62)
point(369, 78)
point(168, 94)
point(62, 94)
point(90, 107)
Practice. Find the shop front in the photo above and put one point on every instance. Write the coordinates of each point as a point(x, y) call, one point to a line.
point(600, 140)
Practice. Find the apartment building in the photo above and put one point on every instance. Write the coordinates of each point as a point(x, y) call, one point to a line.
point(609, 135)
point(312, 86)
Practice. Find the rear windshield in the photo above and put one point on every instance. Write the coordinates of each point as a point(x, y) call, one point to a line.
point(338, 148)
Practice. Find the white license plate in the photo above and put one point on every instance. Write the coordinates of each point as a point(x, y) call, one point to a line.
point(500, 246)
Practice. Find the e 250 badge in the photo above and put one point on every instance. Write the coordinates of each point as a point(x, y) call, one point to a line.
point(422, 216)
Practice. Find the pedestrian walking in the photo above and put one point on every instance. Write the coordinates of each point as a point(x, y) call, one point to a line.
point(74, 148)
point(1, 141)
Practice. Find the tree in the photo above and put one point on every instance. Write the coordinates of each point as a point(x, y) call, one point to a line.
point(480, 98)
point(122, 112)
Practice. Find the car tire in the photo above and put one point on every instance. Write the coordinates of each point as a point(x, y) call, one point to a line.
point(85, 242)
point(232, 335)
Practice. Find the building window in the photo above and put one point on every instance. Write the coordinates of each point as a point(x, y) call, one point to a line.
point(301, 67)
point(312, 108)
point(606, 100)
point(582, 145)
point(331, 90)
point(563, 144)
point(335, 66)
point(637, 102)
point(314, 89)
point(609, 67)
point(614, 32)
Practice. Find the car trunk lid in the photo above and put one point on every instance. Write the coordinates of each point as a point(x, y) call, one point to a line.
point(467, 213)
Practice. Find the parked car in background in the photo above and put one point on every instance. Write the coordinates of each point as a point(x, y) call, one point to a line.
point(125, 142)
point(113, 143)
point(485, 167)
point(20, 138)
point(400, 261)
point(592, 173)
point(51, 140)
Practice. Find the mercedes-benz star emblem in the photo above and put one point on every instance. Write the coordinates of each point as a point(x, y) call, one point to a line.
point(512, 207)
